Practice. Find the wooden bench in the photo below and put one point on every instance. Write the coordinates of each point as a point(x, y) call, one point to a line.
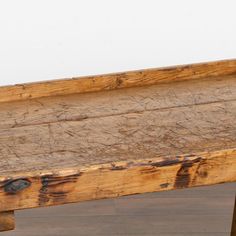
point(111, 135)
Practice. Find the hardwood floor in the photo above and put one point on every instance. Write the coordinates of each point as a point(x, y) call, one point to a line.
point(205, 211)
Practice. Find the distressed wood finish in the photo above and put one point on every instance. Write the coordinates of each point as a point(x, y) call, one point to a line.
point(121, 178)
point(7, 221)
point(162, 129)
point(116, 81)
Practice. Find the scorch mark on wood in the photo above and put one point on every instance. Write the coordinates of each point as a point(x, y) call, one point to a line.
point(114, 135)
point(183, 176)
point(56, 188)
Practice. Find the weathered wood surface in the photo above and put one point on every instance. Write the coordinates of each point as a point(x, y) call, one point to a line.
point(83, 146)
point(116, 81)
point(7, 221)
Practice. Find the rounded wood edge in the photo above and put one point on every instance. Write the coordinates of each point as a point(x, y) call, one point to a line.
point(113, 81)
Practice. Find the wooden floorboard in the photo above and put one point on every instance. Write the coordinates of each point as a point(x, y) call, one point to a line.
point(205, 211)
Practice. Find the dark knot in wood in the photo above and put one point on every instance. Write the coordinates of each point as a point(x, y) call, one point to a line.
point(16, 186)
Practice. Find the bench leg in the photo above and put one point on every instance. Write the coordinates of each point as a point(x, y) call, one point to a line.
point(233, 230)
point(7, 221)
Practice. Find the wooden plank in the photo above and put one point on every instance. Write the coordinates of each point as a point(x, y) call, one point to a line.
point(116, 81)
point(7, 221)
point(129, 137)
point(199, 118)
point(107, 103)
point(165, 129)
point(116, 179)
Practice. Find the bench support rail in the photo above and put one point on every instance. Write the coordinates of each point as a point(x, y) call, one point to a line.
point(7, 221)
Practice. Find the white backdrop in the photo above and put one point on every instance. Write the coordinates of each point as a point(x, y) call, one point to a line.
point(51, 39)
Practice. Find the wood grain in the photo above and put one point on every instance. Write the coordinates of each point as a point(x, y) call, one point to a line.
point(117, 80)
point(138, 123)
point(117, 102)
point(163, 129)
point(117, 179)
point(7, 221)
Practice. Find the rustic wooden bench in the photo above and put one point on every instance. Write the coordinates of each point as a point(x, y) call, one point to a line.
point(106, 136)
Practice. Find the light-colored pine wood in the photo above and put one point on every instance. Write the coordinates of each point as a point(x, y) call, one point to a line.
point(116, 179)
point(121, 125)
point(163, 129)
point(7, 221)
point(116, 81)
